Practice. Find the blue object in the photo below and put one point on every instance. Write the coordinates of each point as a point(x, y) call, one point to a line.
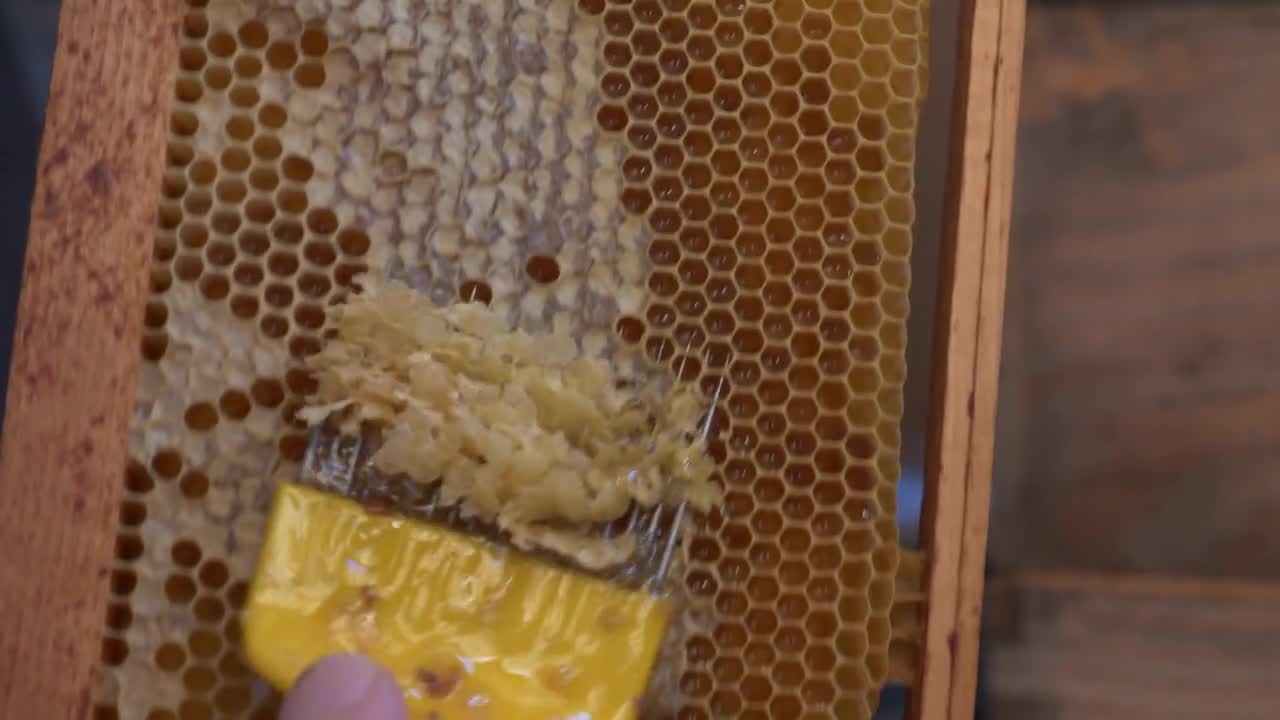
point(28, 36)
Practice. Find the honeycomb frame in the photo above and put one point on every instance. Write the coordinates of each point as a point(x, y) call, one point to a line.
point(762, 236)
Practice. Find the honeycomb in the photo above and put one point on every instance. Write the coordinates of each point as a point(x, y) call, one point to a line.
point(720, 190)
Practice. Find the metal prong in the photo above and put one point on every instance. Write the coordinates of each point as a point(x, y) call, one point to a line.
point(331, 461)
point(310, 461)
point(673, 534)
point(711, 412)
point(655, 518)
point(633, 519)
point(669, 551)
point(351, 463)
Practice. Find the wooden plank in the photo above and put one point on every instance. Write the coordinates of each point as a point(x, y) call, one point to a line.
point(71, 384)
point(1144, 374)
point(1063, 647)
point(958, 474)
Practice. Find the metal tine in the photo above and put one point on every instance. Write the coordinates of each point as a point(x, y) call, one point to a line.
point(433, 501)
point(633, 519)
point(354, 446)
point(650, 535)
point(655, 517)
point(311, 461)
point(331, 459)
point(673, 538)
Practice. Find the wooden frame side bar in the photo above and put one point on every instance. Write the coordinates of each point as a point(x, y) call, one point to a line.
point(76, 347)
point(969, 317)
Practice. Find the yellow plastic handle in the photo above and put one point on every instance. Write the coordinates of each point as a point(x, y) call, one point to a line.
point(469, 630)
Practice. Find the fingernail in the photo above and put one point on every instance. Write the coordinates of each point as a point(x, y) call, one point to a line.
point(345, 687)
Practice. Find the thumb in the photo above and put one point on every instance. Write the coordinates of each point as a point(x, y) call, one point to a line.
point(345, 687)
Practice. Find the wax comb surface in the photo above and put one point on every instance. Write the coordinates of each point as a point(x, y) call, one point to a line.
point(718, 187)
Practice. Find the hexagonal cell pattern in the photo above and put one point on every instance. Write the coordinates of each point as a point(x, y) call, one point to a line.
point(772, 164)
point(714, 190)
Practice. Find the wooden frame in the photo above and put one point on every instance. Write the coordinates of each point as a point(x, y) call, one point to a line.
point(967, 352)
point(79, 325)
point(76, 350)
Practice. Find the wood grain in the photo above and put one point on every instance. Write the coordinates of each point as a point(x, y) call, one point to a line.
point(71, 383)
point(1068, 647)
point(958, 473)
point(1141, 426)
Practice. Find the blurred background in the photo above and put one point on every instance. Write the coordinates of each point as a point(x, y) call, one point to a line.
point(1134, 564)
point(1134, 558)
